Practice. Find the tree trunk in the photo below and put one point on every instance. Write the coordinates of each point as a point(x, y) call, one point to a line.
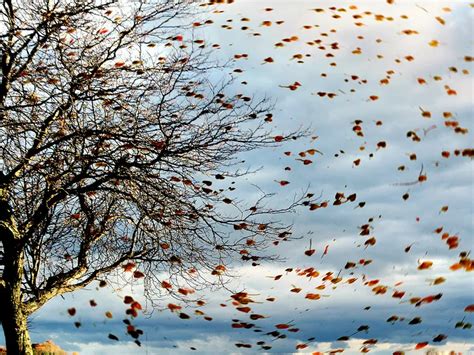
point(15, 328)
point(12, 315)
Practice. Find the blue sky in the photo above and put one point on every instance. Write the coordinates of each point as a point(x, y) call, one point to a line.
point(341, 310)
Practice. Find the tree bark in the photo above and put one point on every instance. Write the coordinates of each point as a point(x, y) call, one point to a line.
point(12, 315)
point(15, 329)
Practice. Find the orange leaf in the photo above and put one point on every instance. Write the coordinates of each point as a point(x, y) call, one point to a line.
point(166, 284)
point(421, 345)
point(128, 266)
point(136, 305)
point(425, 265)
point(173, 307)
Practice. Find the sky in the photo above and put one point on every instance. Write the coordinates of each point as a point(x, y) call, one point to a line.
point(377, 181)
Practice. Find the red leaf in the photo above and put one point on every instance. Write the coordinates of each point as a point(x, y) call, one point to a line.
point(309, 252)
point(244, 309)
point(138, 274)
point(398, 294)
point(128, 299)
point(71, 311)
point(469, 308)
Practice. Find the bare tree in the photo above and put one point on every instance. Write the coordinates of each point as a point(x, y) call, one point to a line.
point(112, 135)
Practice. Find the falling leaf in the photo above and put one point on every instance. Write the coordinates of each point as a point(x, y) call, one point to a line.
point(71, 311)
point(425, 265)
point(421, 345)
point(469, 308)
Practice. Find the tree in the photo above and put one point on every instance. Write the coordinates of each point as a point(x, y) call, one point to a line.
point(112, 134)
